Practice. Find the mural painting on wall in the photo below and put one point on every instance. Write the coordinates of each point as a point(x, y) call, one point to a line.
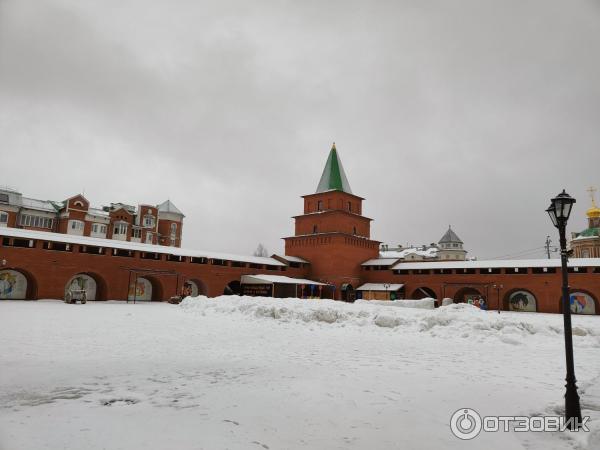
point(582, 303)
point(522, 301)
point(142, 290)
point(13, 285)
point(82, 282)
point(476, 300)
point(190, 289)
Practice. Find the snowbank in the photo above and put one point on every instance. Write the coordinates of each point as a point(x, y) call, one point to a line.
point(425, 303)
point(451, 321)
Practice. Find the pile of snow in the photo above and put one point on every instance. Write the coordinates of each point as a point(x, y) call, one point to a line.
point(425, 303)
point(405, 316)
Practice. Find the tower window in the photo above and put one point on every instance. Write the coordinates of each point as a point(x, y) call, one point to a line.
point(350, 206)
point(319, 206)
point(314, 229)
point(354, 230)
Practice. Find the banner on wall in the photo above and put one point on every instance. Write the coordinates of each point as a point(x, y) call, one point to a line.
point(257, 290)
point(582, 303)
point(13, 285)
point(522, 301)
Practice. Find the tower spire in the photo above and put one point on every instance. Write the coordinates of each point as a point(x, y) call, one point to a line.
point(333, 177)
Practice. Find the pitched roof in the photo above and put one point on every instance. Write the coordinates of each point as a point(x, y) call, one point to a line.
point(450, 236)
point(136, 246)
point(333, 177)
point(168, 207)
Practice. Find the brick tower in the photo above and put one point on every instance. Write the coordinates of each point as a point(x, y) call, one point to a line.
point(332, 234)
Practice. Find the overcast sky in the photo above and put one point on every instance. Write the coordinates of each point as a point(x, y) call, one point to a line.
point(472, 113)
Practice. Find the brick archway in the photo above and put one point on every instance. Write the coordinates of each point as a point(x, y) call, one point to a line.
point(100, 287)
point(234, 287)
point(31, 288)
point(524, 301)
point(462, 293)
point(423, 292)
point(574, 290)
point(200, 287)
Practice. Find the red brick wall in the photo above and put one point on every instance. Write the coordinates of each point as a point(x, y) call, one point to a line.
point(330, 221)
point(545, 287)
point(333, 200)
point(335, 258)
point(164, 230)
point(49, 271)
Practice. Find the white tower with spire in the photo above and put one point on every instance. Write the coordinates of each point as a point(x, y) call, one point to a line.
point(451, 247)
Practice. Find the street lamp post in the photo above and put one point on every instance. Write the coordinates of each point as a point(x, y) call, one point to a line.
point(559, 211)
point(498, 288)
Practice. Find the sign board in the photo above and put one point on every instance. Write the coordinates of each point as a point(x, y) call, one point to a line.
point(257, 290)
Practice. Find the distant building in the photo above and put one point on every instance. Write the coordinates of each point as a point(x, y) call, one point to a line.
point(448, 248)
point(149, 224)
point(586, 244)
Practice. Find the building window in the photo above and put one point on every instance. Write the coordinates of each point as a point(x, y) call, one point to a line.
point(120, 228)
point(149, 221)
point(148, 238)
point(350, 206)
point(173, 230)
point(354, 230)
point(3, 218)
point(98, 228)
point(76, 225)
point(136, 233)
point(584, 254)
point(315, 229)
point(320, 205)
point(28, 220)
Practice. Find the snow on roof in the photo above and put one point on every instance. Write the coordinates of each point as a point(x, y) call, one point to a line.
point(497, 263)
point(262, 279)
point(380, 262)
point(168, 207)
point(33, 203)
point(379, 287)
point(429, 252)
point(582, 237)
point(292, 259)
point(113, 243)
point(98, 212)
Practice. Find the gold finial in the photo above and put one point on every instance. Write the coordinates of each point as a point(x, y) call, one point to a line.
point(333, 146)
point(592, 190)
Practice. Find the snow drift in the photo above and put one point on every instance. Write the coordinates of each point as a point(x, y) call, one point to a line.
point(417, 316)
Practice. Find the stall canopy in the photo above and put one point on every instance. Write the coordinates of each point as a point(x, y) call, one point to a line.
point(262, 279)
point(380, 287)
point(380, 291)
point(282, 286)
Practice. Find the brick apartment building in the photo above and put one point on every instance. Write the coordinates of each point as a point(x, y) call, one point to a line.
point(151, 224)
point(331, 254)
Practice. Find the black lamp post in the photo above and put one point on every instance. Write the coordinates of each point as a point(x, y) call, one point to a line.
point(559, 211)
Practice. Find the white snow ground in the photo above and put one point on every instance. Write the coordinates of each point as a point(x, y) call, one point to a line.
point(244, 373)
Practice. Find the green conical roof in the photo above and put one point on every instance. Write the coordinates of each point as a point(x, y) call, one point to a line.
point(334, 177)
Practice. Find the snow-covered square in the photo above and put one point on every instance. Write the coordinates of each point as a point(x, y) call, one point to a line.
point(243, 373)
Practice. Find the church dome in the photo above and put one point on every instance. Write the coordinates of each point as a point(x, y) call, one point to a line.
point(593, 212)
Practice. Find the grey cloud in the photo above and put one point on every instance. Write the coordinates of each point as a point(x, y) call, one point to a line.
point(472, 113)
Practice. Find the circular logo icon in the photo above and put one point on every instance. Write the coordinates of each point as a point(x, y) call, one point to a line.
point(465, 423)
